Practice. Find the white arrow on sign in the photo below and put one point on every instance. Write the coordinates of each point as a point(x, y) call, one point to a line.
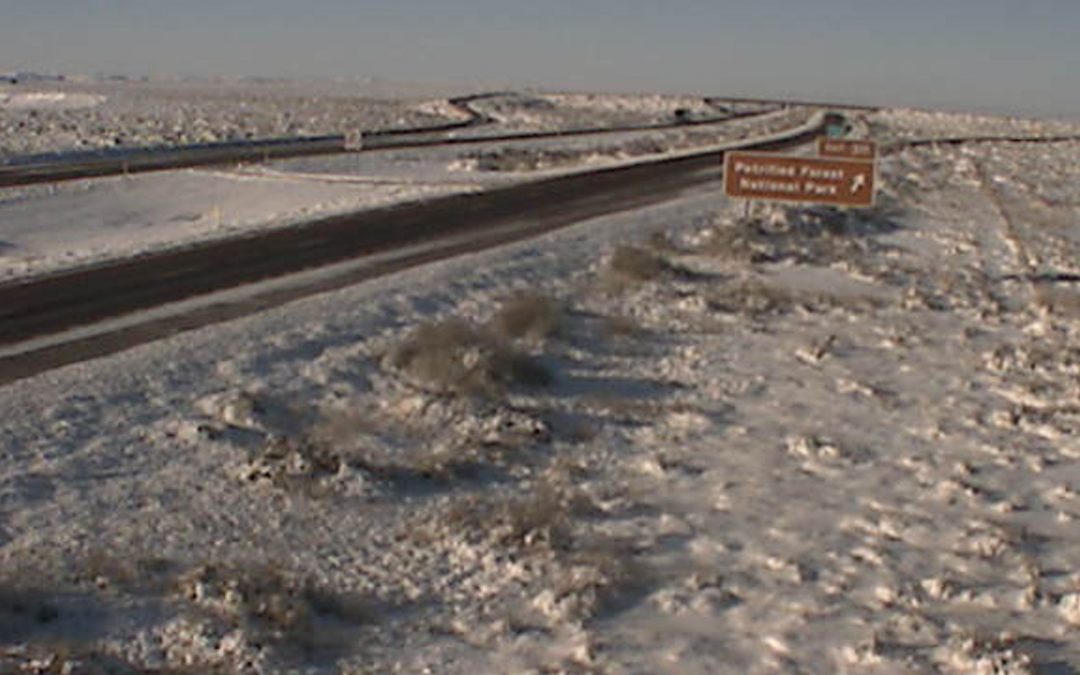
point(858, 183)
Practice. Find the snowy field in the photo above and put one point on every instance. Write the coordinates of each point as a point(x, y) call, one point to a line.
point(65, 116)
point(538, 111)
point(670, 441)
point(902, 125)
point(40, 117)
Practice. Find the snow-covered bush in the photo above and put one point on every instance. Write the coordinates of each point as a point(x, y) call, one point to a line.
point(528, 316)
point(456, 356)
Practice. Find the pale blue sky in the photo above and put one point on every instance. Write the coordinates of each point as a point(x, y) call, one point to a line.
point(1009, 56)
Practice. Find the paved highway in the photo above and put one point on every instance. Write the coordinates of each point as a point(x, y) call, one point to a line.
point(451, 225)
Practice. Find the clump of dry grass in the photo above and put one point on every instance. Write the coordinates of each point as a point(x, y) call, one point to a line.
point(580, 571)
point(743, 242)
point(662, 242)
point(615, 407)
point(806, 235)
point(621, 326)
point(758, 298)
point(272, 605)
point(309, 467)
point(1060, 299)
point(294, 464)
point(596, 576)
point(122, 570)
point(325, 458)
point(633, 263)
point(454, 356)
point(528, 316)
point(541, 516)
point(538, 518)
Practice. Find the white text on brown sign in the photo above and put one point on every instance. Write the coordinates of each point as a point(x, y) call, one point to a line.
point(749, 175)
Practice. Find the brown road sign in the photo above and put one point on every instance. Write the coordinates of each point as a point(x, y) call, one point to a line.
point(842, 148)
point(754, 175)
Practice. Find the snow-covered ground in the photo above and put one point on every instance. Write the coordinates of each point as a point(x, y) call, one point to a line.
point(539, 111)
point(41, 117)
point(47, 100)
point(903, 125)
point(45, 117)
point(805, 442)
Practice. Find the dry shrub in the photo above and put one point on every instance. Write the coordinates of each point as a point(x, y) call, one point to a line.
point(297, 465)
point(445, 352)
point(613, 407)
point(742, 242)
point(521, 369)
point(325, 460)
point(528, 315)
point(757, 298)
point(584, 572)
point(1060, 299)
point(454, 356)
point(637, 264)
point(622, 326)
point(597, 575)
point(662, 243)
point(539, 518)
point(815, 235)
point(265, 601)
point(441, 465)
point(753, 297)
point(123, 571)
point(307, 467)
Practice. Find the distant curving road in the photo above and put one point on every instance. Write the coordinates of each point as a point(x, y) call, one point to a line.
point(137, 160)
